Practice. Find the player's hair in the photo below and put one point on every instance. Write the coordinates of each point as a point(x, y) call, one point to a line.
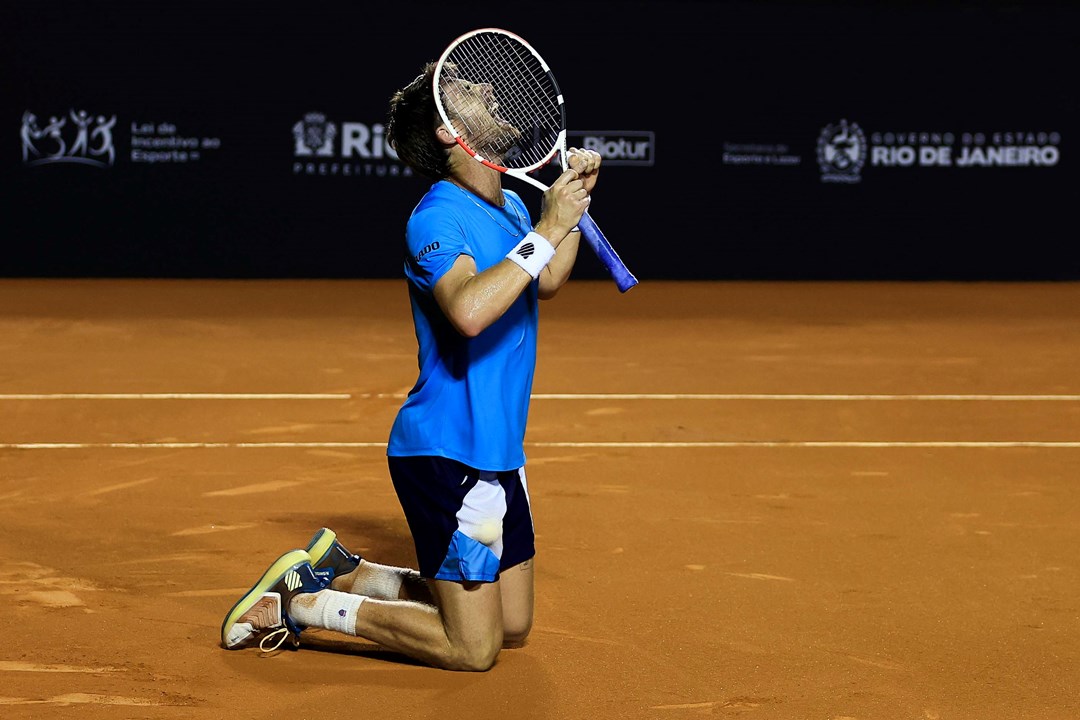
point(410, 127)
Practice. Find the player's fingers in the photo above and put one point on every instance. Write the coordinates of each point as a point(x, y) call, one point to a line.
point(573, 158)
point(578, 162)
point(569, 175)
point(584, 161)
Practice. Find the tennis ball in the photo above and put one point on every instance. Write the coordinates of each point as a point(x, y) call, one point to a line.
point(488, 531)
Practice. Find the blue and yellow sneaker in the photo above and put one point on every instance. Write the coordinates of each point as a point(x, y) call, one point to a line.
point(328, 554)
point(265, 607)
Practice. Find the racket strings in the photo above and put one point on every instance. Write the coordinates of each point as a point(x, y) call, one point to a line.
point(527, 121)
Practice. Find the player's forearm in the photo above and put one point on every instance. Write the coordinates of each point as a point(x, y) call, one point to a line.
point(556, 227)
point(558, 269)
point(479, 300)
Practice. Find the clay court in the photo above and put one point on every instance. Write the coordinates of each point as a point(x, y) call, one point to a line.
point(755, 500)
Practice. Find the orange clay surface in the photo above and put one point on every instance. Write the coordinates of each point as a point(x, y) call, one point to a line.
point(754, 500)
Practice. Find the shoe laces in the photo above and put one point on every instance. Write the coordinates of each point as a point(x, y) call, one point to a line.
point(281, 634)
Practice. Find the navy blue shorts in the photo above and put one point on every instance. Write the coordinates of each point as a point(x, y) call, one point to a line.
point(467, 524)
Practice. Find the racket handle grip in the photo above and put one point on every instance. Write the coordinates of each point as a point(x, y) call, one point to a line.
point(624, 279)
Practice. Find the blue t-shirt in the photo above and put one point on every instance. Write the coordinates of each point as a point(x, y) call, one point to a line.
point(471, 399)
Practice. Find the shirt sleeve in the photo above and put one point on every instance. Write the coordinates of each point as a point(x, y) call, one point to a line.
point(435, 239)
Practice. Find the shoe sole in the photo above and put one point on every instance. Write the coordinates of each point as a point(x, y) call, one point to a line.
point(269, 579)
point(320, 546)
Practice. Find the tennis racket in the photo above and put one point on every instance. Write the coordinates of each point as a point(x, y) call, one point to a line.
point(501, 102)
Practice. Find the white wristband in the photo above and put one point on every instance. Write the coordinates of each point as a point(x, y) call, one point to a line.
point(532, 254)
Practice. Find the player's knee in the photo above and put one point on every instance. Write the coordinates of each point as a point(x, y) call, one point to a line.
point(475, 656)
point(516, 631)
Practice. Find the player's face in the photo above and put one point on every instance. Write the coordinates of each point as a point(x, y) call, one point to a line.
point(474, 109)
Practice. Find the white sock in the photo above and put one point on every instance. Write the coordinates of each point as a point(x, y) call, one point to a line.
point(331, 610)
point(380, 581)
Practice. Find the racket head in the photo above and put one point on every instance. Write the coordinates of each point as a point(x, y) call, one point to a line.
point(500, 100)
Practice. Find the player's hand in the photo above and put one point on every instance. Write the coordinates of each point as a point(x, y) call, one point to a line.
point(587, 165)
point(564, 204)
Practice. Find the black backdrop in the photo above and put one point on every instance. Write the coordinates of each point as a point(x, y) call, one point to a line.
point(758, 140)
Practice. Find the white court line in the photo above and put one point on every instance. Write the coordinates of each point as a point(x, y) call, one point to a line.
point(175, 396)
point(766, 396)
point(789, 396)
point(185, 445)
point(553, 396)
point(625, 445)
point(819, 444)
point(539, 396)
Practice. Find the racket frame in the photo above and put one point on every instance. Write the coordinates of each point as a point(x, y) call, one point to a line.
point(624, 279)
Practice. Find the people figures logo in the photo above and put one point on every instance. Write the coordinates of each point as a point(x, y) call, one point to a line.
point(87, 139)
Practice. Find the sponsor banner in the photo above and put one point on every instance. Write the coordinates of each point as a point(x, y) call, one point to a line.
point(322, 146)
point(965, 149)
point(90, 139)
point(841, 152)
point(844, 149)
point(735, 153)
point(79, 136)
point(162, 142)
point(618, 147)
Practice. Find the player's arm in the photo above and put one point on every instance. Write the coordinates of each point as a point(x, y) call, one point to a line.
point(473, 300)
point(557, 272)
